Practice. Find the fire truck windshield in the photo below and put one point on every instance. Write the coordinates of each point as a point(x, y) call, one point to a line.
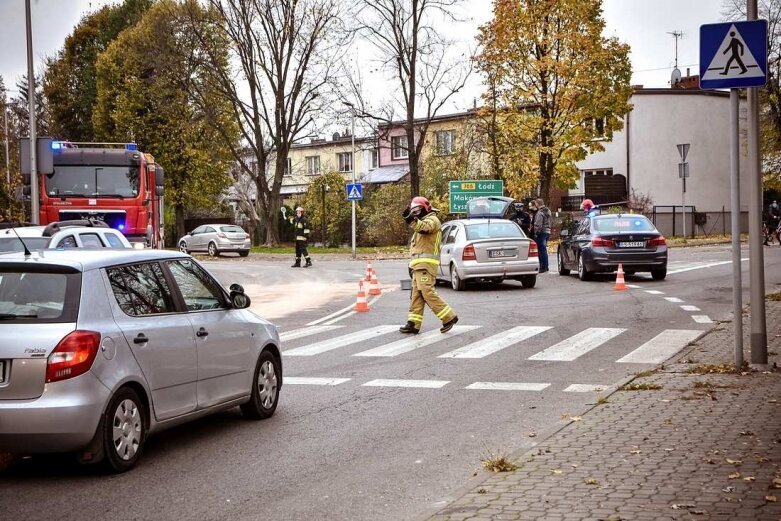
point(92, 181)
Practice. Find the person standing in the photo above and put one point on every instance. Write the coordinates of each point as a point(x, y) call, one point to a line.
point(424, 250)
point(542, 227)
point(522, 218)
point(532, 217)
point(302, 236)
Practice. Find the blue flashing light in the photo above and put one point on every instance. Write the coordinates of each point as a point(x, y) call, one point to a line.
point(121, 227)
point(131, 146)
point(56, 145)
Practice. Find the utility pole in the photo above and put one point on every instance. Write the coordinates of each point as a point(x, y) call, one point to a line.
point(352, 164)
point(34, 195)
point(7, 159)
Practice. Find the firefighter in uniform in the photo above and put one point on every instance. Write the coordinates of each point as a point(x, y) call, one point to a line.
point(302, 235)
point(424, 250)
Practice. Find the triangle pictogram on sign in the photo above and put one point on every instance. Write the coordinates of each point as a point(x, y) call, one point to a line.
point(355, 193)
point(733, 59)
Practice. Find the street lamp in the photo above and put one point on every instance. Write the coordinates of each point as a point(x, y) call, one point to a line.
point(352, 164)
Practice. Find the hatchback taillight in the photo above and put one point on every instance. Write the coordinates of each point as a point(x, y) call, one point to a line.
point(221, 235)
point(659, 241)
point(533, 252)
point(73, 356)
point(469, 253)
point(600, 242)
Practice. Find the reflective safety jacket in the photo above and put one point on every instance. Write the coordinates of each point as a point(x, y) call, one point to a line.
point(302, 228)
point(424, 247)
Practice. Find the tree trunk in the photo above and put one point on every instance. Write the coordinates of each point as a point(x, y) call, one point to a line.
point(179, 215)
point(272, 224)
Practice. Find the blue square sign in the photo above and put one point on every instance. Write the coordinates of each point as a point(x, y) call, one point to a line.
point(733, 55)
point(354, 192)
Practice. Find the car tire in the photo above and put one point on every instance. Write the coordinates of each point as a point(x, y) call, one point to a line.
point(265, 388)
point(455, 281)
point(659, 274)
point(124, 430)
point(562, 270)
point(183, 247)
point(583, 273)
point(528, 281)
point(212, 250)
point(244, 253)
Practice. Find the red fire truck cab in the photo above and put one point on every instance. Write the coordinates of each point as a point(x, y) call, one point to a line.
point(110, 182)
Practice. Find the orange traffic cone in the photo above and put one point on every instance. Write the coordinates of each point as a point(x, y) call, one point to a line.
point(369, 270)
point(360, 301)
point(620, 284)
point(374, 286)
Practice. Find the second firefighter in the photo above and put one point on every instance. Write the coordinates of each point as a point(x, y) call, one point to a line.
point(302, 236)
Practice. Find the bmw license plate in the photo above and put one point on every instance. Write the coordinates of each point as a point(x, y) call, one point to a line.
point(2, 371)
point(498, 254)
point(632, 244)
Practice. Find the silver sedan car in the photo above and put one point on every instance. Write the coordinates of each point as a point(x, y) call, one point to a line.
point(486, 249)
point(215, 239)
point(102, 348)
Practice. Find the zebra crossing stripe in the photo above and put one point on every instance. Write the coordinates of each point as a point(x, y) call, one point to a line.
point(578, 345)
point(674, 300)
point(304, 332)
point(585, 388)
point(303, 380)
point(340, 341)
point(690, 308)
point(492, 344)
point(423, 384)
point(654, 292)
point(661, 347)
point(507, 386)
point(415, 342)
point(702, 319)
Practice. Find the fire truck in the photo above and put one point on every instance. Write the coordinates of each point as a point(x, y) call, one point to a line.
point(110, 182)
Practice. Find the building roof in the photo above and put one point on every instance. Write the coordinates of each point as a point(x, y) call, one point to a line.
point(386, 174)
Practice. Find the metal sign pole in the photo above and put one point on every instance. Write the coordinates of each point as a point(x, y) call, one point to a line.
point(734, 171)
point(683, 203)
point(34, 195)
point(352, 160)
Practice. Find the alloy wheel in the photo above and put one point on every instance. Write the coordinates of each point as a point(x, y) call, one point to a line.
point(127, 424)
point(267, 384)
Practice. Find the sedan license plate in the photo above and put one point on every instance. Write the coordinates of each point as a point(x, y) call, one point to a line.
point(498, 254)
point(2, 371)
point(632, 244)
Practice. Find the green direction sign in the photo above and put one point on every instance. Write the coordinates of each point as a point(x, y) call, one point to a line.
point(461, 192)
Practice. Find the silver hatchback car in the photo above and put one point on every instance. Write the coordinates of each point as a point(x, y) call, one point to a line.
point(102, 348)
point(215, 239)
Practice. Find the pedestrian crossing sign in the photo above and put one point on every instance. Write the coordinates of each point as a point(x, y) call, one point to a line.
point(733, 55)
point(355, 192)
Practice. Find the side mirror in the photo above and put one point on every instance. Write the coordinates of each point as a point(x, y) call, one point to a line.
point(159, 175)
point(159, 191)
point(191, 232)
point(239, 299)
point(564, 233)
point(236, 288)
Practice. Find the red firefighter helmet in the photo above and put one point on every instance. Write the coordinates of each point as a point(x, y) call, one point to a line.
point(420, 201)
point(587, 204)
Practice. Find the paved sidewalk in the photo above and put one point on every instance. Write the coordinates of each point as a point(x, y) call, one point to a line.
point(702, 446)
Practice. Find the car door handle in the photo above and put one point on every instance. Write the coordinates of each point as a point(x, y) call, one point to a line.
point(202, 332)
point(140, 339)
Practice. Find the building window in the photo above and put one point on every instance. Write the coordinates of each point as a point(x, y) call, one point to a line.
point(374, 158)
point(344, 159)
point(446, 142)
point(289, 167)
point(399, 147)
point(596, 127)
point(313, 165)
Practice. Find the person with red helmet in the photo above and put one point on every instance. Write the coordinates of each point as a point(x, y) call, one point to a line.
point(587, 205)
point(424, 250)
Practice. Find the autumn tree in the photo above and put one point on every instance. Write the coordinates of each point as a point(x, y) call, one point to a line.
point(560, 85)
point(148, 80)
point(70, 85)
point(416, 55)
point(10, 208)
point(20, 106)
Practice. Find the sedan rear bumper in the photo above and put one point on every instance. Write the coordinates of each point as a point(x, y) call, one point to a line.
point(507, 270)
point(601, 260)
point(62, 419)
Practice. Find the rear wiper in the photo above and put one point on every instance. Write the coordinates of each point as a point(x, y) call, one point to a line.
point(11, 316)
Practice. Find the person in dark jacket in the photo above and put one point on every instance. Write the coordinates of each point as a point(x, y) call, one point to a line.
point(302, 236)
point(522, 218)
point(542, 227)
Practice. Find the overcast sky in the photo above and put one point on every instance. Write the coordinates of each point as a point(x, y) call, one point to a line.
point(644, 24)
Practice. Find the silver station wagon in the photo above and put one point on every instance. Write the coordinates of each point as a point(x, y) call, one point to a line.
point(102, 348)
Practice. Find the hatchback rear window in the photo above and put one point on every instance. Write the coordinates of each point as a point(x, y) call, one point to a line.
point(628, 224)
point(231, 229)
point(493, 231)
point(39, 296)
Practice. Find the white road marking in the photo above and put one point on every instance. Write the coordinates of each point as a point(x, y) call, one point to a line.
point(423, 384)
point(690, 308)
point(370, 302)
point(340, 341)
point(633, 286)
point(585, 388)
point(332, 315)
point(702, 319)
point(507, 386)
point(305, 331)
point(495, 343)
point(578, 345)
point(675, 300)
point(303, 380)
point(414, 342)
point(654, 292)
point(703, 266)
point(661, 347)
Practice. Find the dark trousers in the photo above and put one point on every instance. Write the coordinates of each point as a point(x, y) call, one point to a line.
point(542, 247)
point(301, 250)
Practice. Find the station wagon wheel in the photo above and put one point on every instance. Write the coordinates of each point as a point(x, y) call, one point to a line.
point(562, 270)
point(183, 247)
point(455, 280)
point(124, 430)
point(265, 388)
point(583, 273)
point(213, 251)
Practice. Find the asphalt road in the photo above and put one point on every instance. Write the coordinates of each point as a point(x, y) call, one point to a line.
point(402, 445)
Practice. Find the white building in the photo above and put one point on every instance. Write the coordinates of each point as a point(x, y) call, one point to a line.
point(643, 158)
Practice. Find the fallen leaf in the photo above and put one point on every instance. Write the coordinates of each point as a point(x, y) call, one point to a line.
point(746, 433)
point(575, 418)
point(776, 483)
point(735, 462)
point(574, 465)
point(681, 506)
point(697, 512)
point(556, 471)
point(728, 489)
point(481, 491)
point(771, 499)
point(591, 481)
point(532, 434)
point(749, 478)
point(734, 475)
point(635, 451)
point(763, 459)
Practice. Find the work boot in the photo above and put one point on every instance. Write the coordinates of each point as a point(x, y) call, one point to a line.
point(296, 264)
point(308, 263)
point(409, 328)
point(447, 326)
